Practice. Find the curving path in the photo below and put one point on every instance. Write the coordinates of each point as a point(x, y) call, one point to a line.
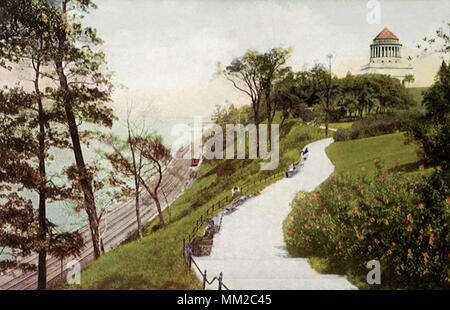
point(249, 249)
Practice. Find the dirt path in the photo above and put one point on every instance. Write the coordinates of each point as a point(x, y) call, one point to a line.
point(249, 249)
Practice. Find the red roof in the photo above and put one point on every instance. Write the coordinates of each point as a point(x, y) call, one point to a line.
point(386, 34)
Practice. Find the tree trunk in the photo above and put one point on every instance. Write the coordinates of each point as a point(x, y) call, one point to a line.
point(136, 172)
point(138, 211)
point(154, 196)
point(42, 260)
point(255, 113)
point(85, 181)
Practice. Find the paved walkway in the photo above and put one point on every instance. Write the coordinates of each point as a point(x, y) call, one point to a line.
point(249, 249)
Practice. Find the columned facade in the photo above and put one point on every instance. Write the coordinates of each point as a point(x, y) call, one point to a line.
point(386, 56)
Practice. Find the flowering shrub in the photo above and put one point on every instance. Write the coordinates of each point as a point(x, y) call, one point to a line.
point(398, 219)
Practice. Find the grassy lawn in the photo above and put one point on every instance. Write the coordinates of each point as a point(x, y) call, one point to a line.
point(357, 156)
point(156, 261)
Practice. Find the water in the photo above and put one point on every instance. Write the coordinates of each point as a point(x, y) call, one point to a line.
point(63, 213)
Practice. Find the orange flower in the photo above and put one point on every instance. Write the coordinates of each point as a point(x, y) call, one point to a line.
point(375, 201)
point(432, 237)
point(299, 210)
point(310, 212)
point(340, 244)
point(385, 197)
point(421, 231)
point(306, 226)
point(316, 195)
point(369, 248)
point(325, 210)
point(376, 240)
point(448, 199)
point(421, 167)
point(389, 252)
point(411, 191)
point(308, 238)
point(393, 243)
point(397, 161)
point(340, 197)
point(409, 228)
point(381, 179)
point(355, 227)
point(361, 237)
point(398, 209)
point(425, 255)
point(290, 232)
point(409, 217)
point(420, 237)
point(357, 209)
point(430, 228)
point(394, 187)
point(376, 161)
point(431, 242)
point(420, 205)
point(439, 168)
point(372, 220)
point(409, 251)
point(360, 187)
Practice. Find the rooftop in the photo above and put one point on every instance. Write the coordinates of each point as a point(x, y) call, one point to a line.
point(386, 34)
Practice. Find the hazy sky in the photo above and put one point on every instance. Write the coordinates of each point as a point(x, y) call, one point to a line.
point(173, 46)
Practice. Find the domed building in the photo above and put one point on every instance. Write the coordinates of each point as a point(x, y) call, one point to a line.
point(386, 56)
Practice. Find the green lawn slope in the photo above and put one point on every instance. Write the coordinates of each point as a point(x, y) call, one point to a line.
point(156, 261)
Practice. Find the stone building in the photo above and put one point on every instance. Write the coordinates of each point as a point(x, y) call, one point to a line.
point(386, 57)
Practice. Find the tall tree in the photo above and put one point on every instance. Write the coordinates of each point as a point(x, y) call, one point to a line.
point(271, 70)
point(243, 73)
point(79, 64)
point(22, 229)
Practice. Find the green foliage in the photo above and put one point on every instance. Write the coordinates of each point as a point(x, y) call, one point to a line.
point(398, 219)
point(432, 129)
point(369, 127)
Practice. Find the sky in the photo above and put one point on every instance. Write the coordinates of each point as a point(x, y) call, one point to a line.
point(166, 52)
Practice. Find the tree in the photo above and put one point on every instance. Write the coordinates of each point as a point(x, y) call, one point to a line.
point(73, 50)
point(22, 229)
point(84, 91)
point(128, 163)
point(244, 75)
point(140, 156)
point(408, 79)
point(157, 156)
point(271, 69)
point(254, 74)
point(431, 129)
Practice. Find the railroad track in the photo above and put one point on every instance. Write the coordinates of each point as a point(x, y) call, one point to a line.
point(117, 225)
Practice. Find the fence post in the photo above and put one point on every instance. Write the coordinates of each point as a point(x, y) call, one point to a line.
point(220, 281)
point(204, 280)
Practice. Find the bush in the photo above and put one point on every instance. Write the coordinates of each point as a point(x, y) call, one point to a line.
point(369, 127)
point(398, 219)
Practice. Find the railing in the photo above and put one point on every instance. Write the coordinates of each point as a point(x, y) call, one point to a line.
point(187, 251)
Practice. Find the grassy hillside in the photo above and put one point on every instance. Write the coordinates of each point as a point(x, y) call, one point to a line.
point(357, 156)
point(156, 261)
